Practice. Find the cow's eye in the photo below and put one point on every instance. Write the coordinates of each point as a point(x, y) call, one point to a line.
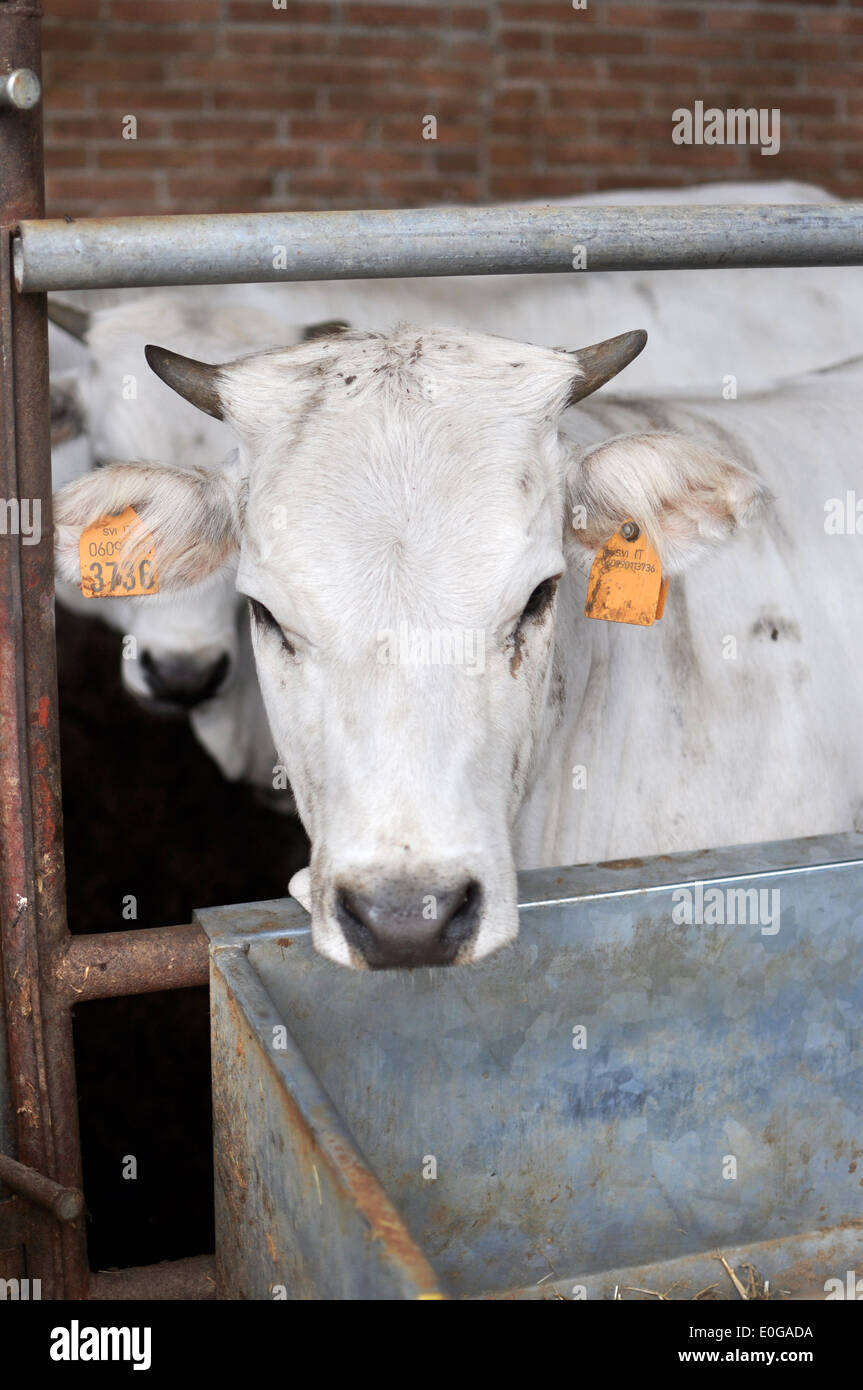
point(540, 600)
point(264, 619)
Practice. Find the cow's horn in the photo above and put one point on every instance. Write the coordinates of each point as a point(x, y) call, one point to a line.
point(74, 321)
point(600, 362)
point(197, 382)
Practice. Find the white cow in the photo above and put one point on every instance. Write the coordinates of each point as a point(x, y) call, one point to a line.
point(446, 485)
point(705, 327)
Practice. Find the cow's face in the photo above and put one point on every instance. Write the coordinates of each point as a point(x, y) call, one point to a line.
point(401, 548)
point(398, 511)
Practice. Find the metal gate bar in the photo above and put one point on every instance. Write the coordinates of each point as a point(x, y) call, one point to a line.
point(32, 882)
point(231, 248)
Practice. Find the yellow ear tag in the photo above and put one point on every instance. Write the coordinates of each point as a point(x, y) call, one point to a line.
point(626, 583)
point(103, 574)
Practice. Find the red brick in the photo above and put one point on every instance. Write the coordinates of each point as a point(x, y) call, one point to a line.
point(475, 51)
point(59, 98)
point(834, 78)
point(537, 11)
point(324, 185)
point(328, 128)
point(651, 73)
point(510, 156)
point(147, 41)
point(70, 38)
point(150, 157)
point(802, 50)
point(603, 45)
point(157, 99)
point(764, 76)
point(67, 157)
point(104, 69)
point(821, 23)
point(589, 152)
point(517, 98)
point(264, 99)
point(708, 156)
point(282, 40)
point(650, 16)
point(268, 157)
point(469, 18)
point(594, 97)
point(417, 192)
point(199, 128)
point(557, 69)
point(261, 11)
point(520, 40)
point(390, 161)
point(163, 11)
point(408, 16)
point(536, 185)
point(759, 18)
point(806, 104)
point(75, 9)
point(697, 46)
point(449, 133)
point(456, 161)
point(383, 46)
point(86, 185)
point(557, 126)
point(223, 189)
point(103, 129)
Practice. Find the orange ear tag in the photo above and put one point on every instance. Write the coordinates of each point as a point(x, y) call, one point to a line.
point(626, 583)
point(103, 574)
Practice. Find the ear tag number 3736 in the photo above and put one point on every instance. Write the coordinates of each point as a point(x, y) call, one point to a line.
point(103, 574)
point(626, 583)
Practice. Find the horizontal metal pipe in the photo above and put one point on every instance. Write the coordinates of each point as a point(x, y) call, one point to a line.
point(65, 1203)
point(131, 962)
point(234, 248)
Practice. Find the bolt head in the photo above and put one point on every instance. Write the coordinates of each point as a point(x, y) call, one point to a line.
point(21, 89)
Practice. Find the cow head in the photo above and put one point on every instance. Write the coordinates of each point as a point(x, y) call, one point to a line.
point(186, 645)
point(399, 515)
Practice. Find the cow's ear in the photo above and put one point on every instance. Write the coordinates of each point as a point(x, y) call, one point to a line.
point(191, 514)
point(684, 495)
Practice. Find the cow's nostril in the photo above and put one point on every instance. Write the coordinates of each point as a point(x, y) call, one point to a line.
point(182, 681)
point(406, 924)
point(460, 924)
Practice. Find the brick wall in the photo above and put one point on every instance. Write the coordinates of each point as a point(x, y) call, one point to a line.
point(318, 105)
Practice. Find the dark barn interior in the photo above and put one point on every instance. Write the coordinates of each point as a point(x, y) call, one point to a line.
point(148, 814)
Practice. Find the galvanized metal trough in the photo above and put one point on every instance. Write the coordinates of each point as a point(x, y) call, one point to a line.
point(611, 1104)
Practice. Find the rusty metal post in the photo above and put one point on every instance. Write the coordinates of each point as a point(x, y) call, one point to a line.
point(32, 887)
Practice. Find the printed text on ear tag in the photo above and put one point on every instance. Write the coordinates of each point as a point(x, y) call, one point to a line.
point(626, 584)
point(103, 573)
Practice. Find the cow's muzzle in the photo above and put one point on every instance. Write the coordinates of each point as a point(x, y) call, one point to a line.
point(405, 923)
point(183, 682)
